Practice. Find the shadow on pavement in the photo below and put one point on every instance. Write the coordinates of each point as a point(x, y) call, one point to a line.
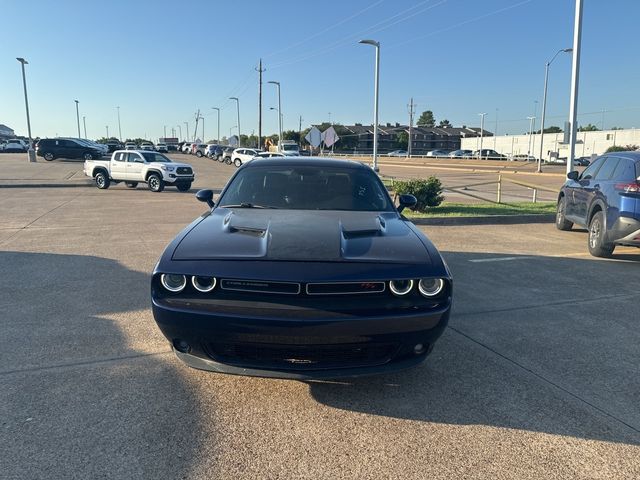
point(535, 343)
point(89, 389)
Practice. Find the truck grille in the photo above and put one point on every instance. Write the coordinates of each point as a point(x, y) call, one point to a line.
point(184, 171)
point(302, 357)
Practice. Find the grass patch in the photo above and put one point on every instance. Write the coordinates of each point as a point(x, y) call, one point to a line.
point(449, 209)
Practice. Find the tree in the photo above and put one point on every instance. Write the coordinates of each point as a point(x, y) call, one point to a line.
point(551, 129)
point(427, 119)
point(588, 128)
point(444, 123)
point(627, 148)
point(402, 140)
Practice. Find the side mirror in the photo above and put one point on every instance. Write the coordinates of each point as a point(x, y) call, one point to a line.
point(406, 201)
point(206, 196)
point(573, 175)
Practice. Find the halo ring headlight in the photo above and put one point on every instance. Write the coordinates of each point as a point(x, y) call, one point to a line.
point(400, 287)
point(203, 284)
point(430, 287)
point(173, 282)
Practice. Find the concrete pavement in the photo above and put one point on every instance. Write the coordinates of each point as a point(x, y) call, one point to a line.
point(535, 378)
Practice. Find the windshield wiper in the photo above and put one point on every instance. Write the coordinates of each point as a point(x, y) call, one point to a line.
point(246, 205)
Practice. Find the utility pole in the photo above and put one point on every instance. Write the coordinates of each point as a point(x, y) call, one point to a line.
point(119, 129)
point(482, 115)
point(411, 105)
point(260, 70)
point(187, 125)
point(195, 130)
point(84, 123)
point(300, 131)
point(78, 116)
point(575, 80)
point(107, 127)
point(31, 154)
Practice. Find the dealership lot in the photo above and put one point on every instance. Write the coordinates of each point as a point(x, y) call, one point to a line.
point(535, 378)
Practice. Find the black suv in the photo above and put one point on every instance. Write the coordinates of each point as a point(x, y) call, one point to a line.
point(51, 148)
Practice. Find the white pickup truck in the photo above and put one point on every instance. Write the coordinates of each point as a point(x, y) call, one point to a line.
point(135, 166)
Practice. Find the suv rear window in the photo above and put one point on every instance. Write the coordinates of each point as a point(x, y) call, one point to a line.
point(625, 171)
point(607, 169)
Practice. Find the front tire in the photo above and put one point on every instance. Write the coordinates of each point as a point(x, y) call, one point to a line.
point(155, 183)
point(237, 162)
point(102, 180)
point(48, 156)
point(227, 160)
point(598, 247)
point(183, 187)
point(131, 184)
point(561, 222)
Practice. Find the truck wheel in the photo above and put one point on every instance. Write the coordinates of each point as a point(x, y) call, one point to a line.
point(183, 187)
point(597, 245)
point(131, 184)
point(102, 180)
point(155, 183)
point(49, 156)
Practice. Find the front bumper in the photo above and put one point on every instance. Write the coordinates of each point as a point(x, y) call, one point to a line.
point(174, 178)
point(290, 346)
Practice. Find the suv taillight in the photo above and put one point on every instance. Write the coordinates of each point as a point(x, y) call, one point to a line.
point(628, 187)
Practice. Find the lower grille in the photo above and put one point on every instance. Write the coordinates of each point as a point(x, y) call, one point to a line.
point(302, 357)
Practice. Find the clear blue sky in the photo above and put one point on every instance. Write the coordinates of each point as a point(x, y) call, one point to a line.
point(160, 61)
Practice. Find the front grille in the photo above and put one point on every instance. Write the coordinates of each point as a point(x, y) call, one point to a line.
point(260, 286)
point(184, 171)
point(344, 288)
point(302, 357)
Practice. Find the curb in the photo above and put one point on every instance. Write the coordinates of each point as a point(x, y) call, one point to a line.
point(486, 220)
point(46, 185)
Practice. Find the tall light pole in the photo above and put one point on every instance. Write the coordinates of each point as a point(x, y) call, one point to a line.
point(575, 80)
point(203, 139)
point(218, 110)
point(482, 115)
point(31, 154)
point(107, 127)
point(84, 124)
point(164, 139)
point(78, 116)
point(187, 125)
point(375, 101)
point(238, 110)
point(531, 120)
point(544, 102)
point(277, 84)
point(180, 130)
point(119, 128)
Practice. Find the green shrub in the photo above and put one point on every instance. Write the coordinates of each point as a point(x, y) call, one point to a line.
point(428, 192)
point(622, 149)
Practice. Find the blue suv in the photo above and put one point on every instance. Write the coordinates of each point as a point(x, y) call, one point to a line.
point(604, 198)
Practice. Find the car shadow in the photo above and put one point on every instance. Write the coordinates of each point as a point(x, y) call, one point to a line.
point(533, 344)
point(90, 388)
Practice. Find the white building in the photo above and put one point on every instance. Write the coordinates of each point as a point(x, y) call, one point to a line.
point(587, 143)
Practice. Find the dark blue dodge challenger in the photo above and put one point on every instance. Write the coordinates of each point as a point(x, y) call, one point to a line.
point(304, 269)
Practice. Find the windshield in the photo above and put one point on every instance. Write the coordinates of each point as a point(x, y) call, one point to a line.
point(307, 188)
point(155, 157)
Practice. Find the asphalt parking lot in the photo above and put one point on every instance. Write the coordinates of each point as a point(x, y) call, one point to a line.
point(537, 376)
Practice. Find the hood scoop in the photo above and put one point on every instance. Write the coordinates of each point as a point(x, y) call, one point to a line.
point(251, 227)
point(367, 227)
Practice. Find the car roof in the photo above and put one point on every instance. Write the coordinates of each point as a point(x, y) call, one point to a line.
point(292, 161)
point(631, 155)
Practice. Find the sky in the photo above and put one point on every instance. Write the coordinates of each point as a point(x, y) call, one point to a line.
point(161, 61)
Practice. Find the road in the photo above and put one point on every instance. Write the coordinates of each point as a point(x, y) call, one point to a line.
point(535, 378)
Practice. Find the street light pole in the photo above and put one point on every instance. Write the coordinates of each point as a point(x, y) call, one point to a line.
point(482, 115)
point(78, 116)
point(165, 134)
point(84, 124)
point(119, 129)
point(31, 154)
point(187, 125)
point(544, 102)
point(531, 120)
point(107, 127)
point(238, 110)
point(575, 80)
point(180, 130)
point(375, 101)
point(277, 84)
point(218, 110)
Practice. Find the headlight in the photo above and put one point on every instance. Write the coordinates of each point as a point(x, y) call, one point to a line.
point(400, 287)
point(167, 169)
point(203, 284)
point(430, 287)
point(172, 282)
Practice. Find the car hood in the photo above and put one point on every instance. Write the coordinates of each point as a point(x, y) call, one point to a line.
point(173, 164)
point(302, 235)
